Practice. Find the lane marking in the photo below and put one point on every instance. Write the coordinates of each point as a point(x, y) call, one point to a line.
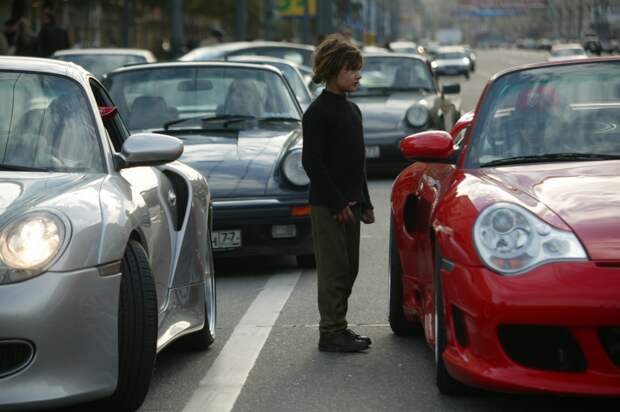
point(223, 382)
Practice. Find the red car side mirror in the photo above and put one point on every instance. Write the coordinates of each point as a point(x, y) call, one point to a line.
point(107, 112)
point(431, 146)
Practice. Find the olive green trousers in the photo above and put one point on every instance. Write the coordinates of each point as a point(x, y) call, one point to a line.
point(336, 248)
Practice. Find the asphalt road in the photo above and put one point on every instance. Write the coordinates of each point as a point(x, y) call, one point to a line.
point(265, 357)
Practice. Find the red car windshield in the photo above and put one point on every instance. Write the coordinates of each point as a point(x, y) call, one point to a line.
point(552, 113)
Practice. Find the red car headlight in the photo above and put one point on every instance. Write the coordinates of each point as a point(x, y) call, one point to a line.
point(512, 240)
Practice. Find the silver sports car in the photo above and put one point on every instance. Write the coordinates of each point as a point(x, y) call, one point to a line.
point(105, 251)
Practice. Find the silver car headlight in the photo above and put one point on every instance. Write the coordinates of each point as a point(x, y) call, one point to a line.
point(512, 240)
point(293, 169)
point(417, 116)
point(29, 244)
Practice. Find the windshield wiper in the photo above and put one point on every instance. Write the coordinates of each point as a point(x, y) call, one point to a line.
point(228, 119)
point(279, 119)
point(19, 168)
point(551, 157)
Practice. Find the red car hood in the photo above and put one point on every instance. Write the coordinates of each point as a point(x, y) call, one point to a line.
point(585, 195)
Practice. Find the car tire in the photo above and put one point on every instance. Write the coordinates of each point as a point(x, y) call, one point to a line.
point(398, 322)
point(204, 337)
point(467, 75)
point(446, 384)
point(137, 330)
point(306, 261)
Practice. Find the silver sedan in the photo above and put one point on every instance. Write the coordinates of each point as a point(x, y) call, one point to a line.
point(105, 252)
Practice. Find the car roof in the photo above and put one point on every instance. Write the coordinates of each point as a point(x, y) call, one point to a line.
point(119, 50)
point(208, 63)
point(224, 48)
point(566, 46)
point(591, 60)
point(447, 49)
point(395, 55)
point(41, 65)
point(262, 59)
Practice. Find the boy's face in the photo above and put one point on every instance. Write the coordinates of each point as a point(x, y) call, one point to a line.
point(348, 79)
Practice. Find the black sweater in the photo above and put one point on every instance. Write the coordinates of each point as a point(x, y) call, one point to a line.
point(334, 155)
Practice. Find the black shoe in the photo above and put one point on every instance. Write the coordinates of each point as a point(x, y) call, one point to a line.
point(358, 336)
point(341, 341)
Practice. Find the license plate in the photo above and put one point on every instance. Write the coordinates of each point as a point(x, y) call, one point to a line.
point(372, 152)
point(226, 239)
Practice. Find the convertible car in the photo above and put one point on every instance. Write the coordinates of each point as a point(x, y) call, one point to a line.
point(397, 96)
point(505, 235)
point(105, 255)
point(241, 127)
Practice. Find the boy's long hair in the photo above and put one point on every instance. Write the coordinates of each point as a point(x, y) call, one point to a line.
point(335, 53)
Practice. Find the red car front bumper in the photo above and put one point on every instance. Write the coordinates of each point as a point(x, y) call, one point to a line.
point(554, 329)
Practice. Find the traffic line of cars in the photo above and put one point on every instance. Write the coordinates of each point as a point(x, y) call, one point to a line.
point(114, 200)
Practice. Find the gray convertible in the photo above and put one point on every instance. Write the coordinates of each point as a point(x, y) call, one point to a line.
point(105, 253)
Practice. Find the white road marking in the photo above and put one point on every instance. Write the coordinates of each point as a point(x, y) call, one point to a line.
point(222, 384)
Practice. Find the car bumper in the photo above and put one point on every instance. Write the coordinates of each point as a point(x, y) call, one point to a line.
point(70, 319)
point(255, 218)
point(557, 309)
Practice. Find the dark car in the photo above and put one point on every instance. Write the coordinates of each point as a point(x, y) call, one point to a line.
point(240, 124)
point(297, 53)
point(398, 95)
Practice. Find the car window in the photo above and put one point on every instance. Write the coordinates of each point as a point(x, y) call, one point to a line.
point(150, 98)
point(46, 123)
point(295, 80)
point(563, 109)
point(395, 73)
point(100, 64)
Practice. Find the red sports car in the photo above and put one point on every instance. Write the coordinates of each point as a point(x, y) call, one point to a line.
point(505, 235)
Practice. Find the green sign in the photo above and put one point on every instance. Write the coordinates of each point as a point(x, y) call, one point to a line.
point(295, 8)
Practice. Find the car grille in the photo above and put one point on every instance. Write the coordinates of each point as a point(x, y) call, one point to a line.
point(14, 356)
point(547, 348)
point(610, 339)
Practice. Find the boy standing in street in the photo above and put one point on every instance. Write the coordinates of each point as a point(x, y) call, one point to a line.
point(334, 159)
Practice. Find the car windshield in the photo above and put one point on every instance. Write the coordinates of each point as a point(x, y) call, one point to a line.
point(100, 64)
point(450, 55)
point(46, 124)
point(550, 114)
point(156, 98)
point(394, 74)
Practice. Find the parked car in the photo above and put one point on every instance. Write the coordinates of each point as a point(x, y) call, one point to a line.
point(102, 61)
point(398, 96)
point(105, 256)
point(567, 51)
point(241, 127)
point(504, 245)
point(451, 60)
point(297, 53)
point(291, 73)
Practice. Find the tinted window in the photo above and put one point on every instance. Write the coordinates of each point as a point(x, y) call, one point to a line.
point(564, 109)
point(148, 99)
point(395, 73)
point(46, 123)
point(100, 64)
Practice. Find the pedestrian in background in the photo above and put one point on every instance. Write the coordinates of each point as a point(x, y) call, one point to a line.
point(51, 36)
point(335, 160)
point(4, 45)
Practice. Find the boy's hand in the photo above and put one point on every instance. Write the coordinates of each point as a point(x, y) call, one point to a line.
point(368, 216)
point(345, 216)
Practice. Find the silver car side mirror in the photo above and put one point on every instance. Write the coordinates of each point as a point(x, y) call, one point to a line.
point(149, 149)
